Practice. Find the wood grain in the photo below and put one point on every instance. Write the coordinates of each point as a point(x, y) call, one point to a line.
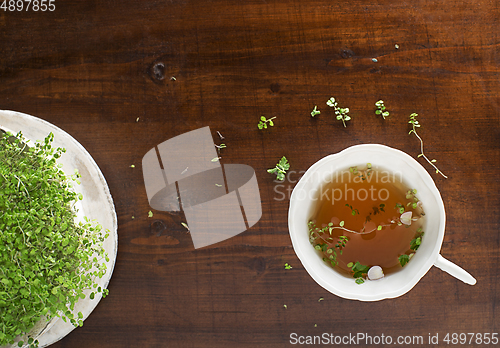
point(93, 67)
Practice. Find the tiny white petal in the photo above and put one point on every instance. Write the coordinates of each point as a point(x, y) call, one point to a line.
point(420, 205)
point(375, 273)
point(405, 218)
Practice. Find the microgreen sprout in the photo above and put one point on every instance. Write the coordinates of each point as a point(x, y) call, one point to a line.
point(341, 243)
point(220, 147)
point(381, 110)
point(414, 123)
point(185, 225)
point(315, 111)
point(358, 271)
point(150, 214)
point(363, 174)
point(415, 243)
point(280, 169)
point(340, 113)
point(287, 266)
point(377, 210)
point(353, 210)
point(264, 121)
point(403, 259)
point(47, 259)
point(406, 218)
point(325, 243)
point(413, 199)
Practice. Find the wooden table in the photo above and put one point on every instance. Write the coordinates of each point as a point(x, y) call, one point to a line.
point(124, 76)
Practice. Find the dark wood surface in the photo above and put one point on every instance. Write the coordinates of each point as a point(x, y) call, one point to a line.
point(93, 67)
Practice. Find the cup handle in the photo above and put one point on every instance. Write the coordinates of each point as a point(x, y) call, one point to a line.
point(454, 270)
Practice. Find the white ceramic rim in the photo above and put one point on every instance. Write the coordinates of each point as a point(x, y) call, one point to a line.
point(300, 247)
point(11, 121)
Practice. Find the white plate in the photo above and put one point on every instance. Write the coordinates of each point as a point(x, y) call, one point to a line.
point(97, 203)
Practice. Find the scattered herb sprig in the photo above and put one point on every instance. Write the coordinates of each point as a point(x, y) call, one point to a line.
point(414, 123)
point(280, 169)
point(47, 259)
point(315, 111)
point(403, 259)
point(220, 147)
point(358, 271)
point(381, 109)
point(353, 210)
point(340, 113)
point(411, 196)
point(264, 121)
point(414, 245)
point(325, 243)
point(363, 174)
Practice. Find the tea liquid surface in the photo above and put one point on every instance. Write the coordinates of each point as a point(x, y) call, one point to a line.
point(365, 200)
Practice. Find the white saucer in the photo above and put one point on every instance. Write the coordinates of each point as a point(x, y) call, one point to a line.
point(97, 203)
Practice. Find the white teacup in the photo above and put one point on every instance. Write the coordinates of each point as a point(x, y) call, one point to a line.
point(397, 283)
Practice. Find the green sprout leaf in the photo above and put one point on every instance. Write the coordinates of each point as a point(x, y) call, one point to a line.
point(341, 114)
point(415, 124)
point(280, 169)
point(315, 111)
point(264, 121)
point(381, 109)
point(403, 259)
point(47, 258)
point(359, 270)
point(325, 244)
point(415, 243)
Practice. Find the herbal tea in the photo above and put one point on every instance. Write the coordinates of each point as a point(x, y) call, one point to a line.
point(364, 218)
